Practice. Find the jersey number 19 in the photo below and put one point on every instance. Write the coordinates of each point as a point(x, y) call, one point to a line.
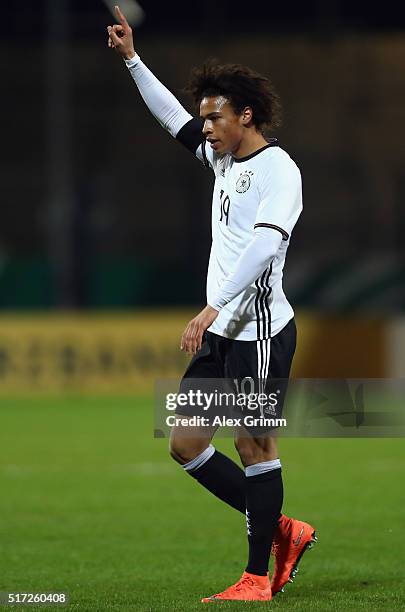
point(225, 205)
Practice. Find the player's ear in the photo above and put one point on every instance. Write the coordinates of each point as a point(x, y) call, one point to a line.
point(247, 115)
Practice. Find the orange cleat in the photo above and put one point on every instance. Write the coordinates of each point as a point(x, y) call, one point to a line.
point(249, 588)
point(291, 540)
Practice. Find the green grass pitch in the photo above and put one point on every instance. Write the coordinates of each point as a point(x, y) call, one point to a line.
point(91, 504)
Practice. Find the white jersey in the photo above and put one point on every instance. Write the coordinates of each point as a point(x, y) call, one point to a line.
point(260, 190)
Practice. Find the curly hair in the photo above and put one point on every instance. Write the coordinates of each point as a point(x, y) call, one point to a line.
point(242, 86)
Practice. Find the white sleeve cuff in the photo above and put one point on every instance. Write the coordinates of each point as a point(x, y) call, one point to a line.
point(133, 61)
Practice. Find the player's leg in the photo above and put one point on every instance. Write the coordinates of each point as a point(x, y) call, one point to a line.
point(291, 537)
point(253, 364)
point(259, 454)
point(192, 448)
point(263, 484)
point(264, 495)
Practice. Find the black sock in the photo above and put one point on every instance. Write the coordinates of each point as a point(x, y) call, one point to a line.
point(264, 499)
point(223, 478)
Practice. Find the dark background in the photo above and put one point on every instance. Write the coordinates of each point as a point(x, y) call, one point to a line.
point(102, 209)
point(87, 16)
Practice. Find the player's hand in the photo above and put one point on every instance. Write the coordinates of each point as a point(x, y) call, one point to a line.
point(192, 336)
point(120, 36)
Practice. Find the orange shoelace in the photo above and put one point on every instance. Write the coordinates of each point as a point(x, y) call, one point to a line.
point(243, 581)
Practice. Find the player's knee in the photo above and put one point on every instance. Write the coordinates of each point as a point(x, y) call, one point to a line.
point(247, 450)
point(183, 450)
point(250, 452)
point(255, 450)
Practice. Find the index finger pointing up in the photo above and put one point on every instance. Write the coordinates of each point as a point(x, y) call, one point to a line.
point(120, 16)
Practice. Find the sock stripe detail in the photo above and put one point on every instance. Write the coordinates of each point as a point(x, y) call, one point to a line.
point(198, 461)
point(263, 467)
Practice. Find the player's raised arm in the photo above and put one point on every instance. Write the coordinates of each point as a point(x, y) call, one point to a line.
point(161, 102)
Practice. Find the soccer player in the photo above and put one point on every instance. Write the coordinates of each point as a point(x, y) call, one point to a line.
point(247, 328)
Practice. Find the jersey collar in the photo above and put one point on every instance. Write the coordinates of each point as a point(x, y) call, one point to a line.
point(273, 142)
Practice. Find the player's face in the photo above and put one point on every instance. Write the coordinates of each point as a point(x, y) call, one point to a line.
point(223, 128)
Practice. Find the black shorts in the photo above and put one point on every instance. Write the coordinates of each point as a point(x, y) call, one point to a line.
point(248, 366)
